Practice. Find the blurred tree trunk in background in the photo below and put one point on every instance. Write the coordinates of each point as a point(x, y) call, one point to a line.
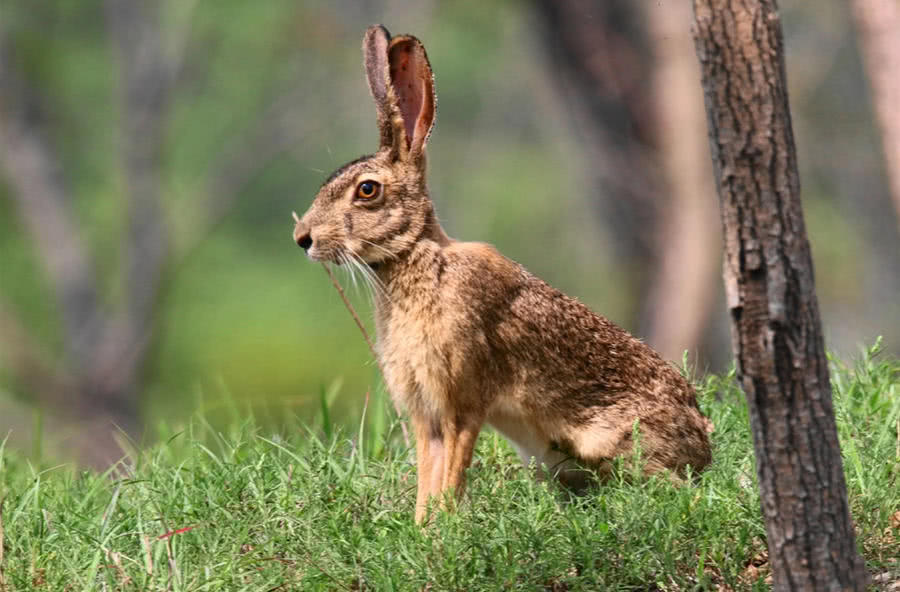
point(878, 33)
point(683, 290)
point(93, 390)
point(599, 55)
point(630, 74)
point(776, 329)
point(76, 389)
point(98, 383)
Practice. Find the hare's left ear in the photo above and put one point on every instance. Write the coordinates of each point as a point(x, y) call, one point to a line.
point(375, 58)
point(413, 86)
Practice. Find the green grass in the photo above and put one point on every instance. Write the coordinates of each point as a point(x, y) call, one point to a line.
point(252, 510)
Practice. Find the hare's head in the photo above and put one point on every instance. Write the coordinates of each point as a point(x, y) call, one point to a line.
point(376, 207)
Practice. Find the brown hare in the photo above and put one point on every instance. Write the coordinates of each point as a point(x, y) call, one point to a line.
point(467, 337)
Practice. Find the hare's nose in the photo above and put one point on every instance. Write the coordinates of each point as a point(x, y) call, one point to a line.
point(305, 241)
point(302, 236)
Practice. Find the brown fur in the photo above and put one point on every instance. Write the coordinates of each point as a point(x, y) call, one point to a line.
point(466, 336)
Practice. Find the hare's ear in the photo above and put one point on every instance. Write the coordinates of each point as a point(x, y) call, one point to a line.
point(375, 56)
point(413, 86)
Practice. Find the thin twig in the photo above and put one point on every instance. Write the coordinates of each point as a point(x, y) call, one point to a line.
point(2, 577)
point(174, 579)
point(340, 290)
point(148, 563)
point(349, 306)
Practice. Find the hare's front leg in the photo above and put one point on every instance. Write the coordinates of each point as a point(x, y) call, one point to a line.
point(460, 432)
point(443, 453)
point(429, 461)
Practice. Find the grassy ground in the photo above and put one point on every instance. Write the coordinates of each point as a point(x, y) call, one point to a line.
point(319, 509)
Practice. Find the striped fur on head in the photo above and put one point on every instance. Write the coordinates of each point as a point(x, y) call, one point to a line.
point(344, 223)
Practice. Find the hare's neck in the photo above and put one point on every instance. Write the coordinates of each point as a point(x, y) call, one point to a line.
point(412, 276)
point(432, 230)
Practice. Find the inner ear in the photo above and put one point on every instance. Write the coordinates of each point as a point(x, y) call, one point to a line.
point(413, 85)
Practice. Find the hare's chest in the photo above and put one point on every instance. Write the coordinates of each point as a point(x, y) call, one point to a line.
point(414, 352)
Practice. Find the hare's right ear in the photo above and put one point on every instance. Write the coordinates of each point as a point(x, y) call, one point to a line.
point(413, 84)
point(378, 73)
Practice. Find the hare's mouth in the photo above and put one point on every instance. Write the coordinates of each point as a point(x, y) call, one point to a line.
point(319, 255)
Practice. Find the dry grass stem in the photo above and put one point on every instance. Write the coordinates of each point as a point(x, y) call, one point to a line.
point(337, 286)
point(2, 577)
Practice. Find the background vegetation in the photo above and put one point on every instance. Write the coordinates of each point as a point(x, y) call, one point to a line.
point(269, 97)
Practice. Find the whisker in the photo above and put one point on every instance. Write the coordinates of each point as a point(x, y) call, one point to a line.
point(362, 269)
point(377, 286)
point(351, 267)
point(355, 264)
point(348, 269)
point(363, 285)
point(379, 247)
point(375, 283)
point(374, 289)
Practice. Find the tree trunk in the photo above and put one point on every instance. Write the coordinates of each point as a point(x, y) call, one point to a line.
point(878, 31)
point(776, 330)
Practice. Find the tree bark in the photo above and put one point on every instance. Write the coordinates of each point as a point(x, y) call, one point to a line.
point(776, 330)
point(878, 32)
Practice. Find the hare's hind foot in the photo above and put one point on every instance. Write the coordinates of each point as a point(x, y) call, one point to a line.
point(581, 455)
point(550, 459)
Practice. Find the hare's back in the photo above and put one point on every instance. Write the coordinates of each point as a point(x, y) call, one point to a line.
point(552, 340)
point(567, 378)
point(542, 331)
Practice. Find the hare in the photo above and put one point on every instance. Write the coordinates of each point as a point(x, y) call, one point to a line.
point(466, 336)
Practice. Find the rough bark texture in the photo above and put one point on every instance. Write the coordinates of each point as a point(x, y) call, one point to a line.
point(878, 30)
point(776, 330)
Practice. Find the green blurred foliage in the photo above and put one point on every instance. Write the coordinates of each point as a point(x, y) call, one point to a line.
point(242, 312)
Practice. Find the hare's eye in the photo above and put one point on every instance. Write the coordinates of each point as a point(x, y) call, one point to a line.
point(367, 190)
